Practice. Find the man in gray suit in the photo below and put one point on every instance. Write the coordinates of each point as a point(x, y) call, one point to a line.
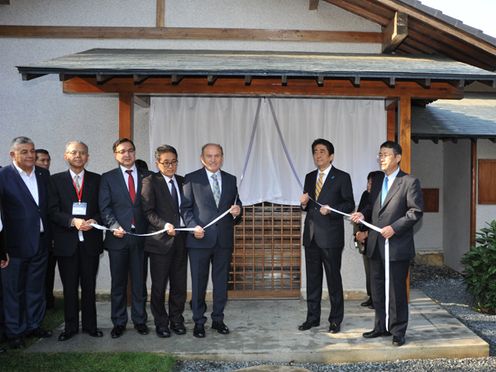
point(120, 210)
point(395, 205)
point(208, 192)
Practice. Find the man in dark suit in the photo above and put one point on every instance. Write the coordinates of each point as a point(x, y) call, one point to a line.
point(43, 160)
point(4, 262)
point(24, 199)
point(73, 208)
point(120, 209)
point(208, 192)
point(323, 235)
point(161, 196)
point(395, 205)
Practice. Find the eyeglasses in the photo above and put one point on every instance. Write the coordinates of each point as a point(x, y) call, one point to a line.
point(168, 164)
point(122, 152)
point(383, 156)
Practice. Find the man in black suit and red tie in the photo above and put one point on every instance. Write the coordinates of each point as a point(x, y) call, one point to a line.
point(208, 192)
point(161, 196)
point(120, 210)
point(24, 200)
point(77, 245)
point(323, 235)
point(395, 205)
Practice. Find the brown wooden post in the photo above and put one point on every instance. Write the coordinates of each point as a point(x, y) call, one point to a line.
point(405, 133)
point(473, 190)
point(391, 120)
point(126, 115)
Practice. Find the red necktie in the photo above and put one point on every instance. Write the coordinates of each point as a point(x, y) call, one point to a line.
point(130, 185)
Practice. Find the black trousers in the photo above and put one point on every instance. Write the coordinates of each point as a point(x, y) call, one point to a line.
point(169, 268)
point(77, 270)
point(317, 260)
point(398, 301)
point(200, 260)
point(127, 259)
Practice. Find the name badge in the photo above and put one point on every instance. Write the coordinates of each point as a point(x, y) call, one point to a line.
point(79, 209)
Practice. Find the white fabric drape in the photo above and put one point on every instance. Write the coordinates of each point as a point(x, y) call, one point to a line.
point(355, 127)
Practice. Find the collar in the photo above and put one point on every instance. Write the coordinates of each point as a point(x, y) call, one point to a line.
point(209, 174)
point(81, 174)
point(133, 168)
point(21, 171)
point(325, 171)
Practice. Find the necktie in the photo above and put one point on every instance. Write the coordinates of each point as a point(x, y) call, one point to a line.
point(130, 185)
point(76, 182)
point(175, 198)
point(216, 189)
point(318, 185)
point(384, 190)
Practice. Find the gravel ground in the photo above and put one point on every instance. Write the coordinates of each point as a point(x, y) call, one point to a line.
point(440, 283)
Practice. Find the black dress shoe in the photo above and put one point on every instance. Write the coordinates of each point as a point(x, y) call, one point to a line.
point(40, 333)
point(178, 328)
point(199, 331)
point(94, 333)
point(367, 303)
point(220, 327)
point(142, 329)
point(398, 340)
point(373, 334)
point(66, 335)
point(307, 325)
point(334, 327)
point(162, 332)
point(3, 350)
point(16, 343)
point(117, 331)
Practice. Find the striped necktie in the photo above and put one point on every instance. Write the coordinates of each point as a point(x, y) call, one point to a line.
point(216, 189)
point(318, 185)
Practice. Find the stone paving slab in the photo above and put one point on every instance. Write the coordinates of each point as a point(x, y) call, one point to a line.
point(266, 330)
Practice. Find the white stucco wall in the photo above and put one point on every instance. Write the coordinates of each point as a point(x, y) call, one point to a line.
point(427, 166)
point(485, 213)
point(38, 108)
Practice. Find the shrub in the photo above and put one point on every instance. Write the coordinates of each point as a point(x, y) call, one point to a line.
point(480, 269)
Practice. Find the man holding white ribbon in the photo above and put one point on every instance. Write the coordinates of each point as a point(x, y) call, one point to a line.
point(208, 192)
point(323, 236)
point(395, 205)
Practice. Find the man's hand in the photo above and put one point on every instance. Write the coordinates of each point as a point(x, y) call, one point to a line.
point(119, 232)
point(78, 223)
point(5, 263)
point(360, 236)
point(170, 229)
point(387, 232)
point(304, 200)
point(199, 232)
point(235, 210)
point(325, 210)
point(357, 217)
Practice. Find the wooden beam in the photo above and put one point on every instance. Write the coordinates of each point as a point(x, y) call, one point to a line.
point(138, 79)
point(187, 33)
point(4, 2)
point(211, 79)
point(160, 13)
point(405, 133)
point(142, 101)
point(391, 120)
point(473, 190)
point(380, 17)
point(395, 32)
point(313, 4)
point(264, 86)
point(126, 115)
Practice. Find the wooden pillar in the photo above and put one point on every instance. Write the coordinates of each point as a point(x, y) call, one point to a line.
point(126, 115)
point(405, 133)
point(473, 190)
point(160, 16)
point(391, 121)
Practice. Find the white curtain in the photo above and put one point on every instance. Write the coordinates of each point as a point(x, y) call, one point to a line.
point(355, 127)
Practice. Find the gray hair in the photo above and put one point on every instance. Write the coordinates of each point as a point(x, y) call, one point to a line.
point(20, 141)
point(75, 143)
point(163, 149)
point(213, 144)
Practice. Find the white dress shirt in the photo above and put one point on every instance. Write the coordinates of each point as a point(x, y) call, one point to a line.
point(32, 185)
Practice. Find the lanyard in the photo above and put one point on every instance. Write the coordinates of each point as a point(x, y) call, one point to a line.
point(79, 193)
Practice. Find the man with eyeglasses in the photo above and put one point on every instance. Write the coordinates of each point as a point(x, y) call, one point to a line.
point(120, 209)
point(395, 205)
point(73, 208)
point(161, 195)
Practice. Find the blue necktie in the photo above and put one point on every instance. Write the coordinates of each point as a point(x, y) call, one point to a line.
point(384, 190)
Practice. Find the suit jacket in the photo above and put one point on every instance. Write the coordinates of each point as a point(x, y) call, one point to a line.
point(402, 209)
point(21, 213)
point(3, 256)
point(337, 192)
point(62, 196)
point(117, 208)
point(158, 208)
point(198, 208)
